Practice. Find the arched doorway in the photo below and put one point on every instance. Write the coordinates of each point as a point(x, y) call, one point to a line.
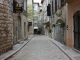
point(76, 18)
point(59, 32)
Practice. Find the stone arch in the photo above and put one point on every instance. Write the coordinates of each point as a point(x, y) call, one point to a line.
point(76, 9)
point(59, 32)
point(59, 21)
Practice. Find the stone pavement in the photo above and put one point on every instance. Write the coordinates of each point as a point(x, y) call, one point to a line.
point(15, 49)
point(72, 54)
point(40, 48)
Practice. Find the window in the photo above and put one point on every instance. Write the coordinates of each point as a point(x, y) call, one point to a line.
point(35, 25)
point(25, 5)
point(58, 4)
point(29, 23)
point(55, 5)
point(49, 10)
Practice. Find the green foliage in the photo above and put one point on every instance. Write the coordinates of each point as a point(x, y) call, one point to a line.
point(53, 25)
point(63, 24)
point(49, 30)
point(30, 11)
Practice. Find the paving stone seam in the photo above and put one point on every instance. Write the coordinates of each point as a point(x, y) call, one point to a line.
point(62, 50)
point(17, 50)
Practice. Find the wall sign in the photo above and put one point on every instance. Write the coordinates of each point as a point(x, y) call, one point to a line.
point(18, 9)
point(29, 23)
point(59, 13)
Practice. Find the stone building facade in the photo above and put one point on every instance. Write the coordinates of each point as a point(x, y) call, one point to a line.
point(55, 12)
point(13, 26)
point(58, 17)
point(20, 27)
point(67, 11)
point(30, 20)
point(45, 18)
point(6, 26)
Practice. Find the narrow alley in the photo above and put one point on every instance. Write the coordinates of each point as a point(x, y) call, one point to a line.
point(39, 48)
point(39, 30)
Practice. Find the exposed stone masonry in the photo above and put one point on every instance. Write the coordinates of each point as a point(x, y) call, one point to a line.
point(6, 42)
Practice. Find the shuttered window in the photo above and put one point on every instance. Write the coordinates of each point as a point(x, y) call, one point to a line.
point(55, 5)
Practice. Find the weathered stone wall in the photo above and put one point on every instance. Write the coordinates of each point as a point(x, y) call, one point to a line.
point(15, 30)
point(24, 27)
point(23, 21)
point(6, 41)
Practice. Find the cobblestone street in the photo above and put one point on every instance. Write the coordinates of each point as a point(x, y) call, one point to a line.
point(40, 48)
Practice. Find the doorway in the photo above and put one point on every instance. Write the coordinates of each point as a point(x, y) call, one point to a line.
point(59, 32)
point(76, 31)
point(35, 31)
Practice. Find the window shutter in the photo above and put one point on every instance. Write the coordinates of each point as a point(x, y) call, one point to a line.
point(55, 5)
point(49, 10)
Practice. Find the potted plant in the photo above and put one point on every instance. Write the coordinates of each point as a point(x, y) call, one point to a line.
point(53, 25)
point(62, 25)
